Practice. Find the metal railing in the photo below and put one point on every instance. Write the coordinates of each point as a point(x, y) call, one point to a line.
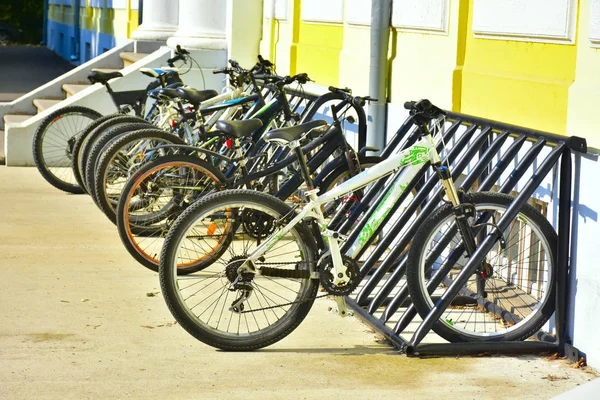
point(485, 155)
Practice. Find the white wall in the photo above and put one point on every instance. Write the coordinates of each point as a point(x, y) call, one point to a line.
point(584, 307)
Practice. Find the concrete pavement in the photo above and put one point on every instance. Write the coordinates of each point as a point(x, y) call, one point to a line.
point(80, 319)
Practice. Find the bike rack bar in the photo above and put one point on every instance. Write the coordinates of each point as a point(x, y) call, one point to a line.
point(392, 281)
point(573, 142)
point(564, 247)
point(500, 167)
point(393, 257)
point(396, 340)
point(463, 276)
point(470, 348)
point(386, 274)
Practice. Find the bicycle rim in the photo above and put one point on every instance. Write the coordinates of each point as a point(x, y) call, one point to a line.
point(205, 296)
point(156, 199)
point(518, 277)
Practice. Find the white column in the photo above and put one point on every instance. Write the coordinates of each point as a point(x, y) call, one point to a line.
point(244, 31)
point(202, 25)
point(159, 20)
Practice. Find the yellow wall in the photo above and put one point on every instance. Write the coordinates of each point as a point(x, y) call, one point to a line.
point(424, 64)
point(318, 51)
point(298, 46)
point(354, 59)
point(523, 83)
point(546, 86)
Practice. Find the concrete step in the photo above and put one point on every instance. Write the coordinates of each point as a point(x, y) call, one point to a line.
point(106, 70)
point(43, 104)
point(71, 88)
point(130, 58)
point(2, 155)
point(16, 118)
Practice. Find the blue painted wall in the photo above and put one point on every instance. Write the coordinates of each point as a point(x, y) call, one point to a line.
point(92, 43)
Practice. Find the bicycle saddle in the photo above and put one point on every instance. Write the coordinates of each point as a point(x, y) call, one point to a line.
point(103, 77)
point(196, 96)
point(156, 72)
point(239, 129)
point(289, 134)
point(170, 92)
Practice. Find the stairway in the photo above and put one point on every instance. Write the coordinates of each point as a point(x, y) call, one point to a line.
point(68, 89)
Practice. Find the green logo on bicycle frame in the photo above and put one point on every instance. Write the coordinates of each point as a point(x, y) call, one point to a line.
point(380, 213)
point(416, 155)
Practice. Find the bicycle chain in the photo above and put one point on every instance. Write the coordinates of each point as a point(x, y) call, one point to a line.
point(285, 304)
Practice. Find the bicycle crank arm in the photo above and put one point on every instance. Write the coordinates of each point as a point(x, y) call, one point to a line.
point(342, 307)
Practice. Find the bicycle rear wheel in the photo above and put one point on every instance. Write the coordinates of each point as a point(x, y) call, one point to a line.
point(208, 303)
point(510, 297)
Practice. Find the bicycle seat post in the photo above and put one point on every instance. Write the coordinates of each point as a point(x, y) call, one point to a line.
point(112, 95)
point(295, 146)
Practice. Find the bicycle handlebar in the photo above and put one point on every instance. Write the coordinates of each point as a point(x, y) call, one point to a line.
point(424, 107)
point(180, 55)
point(222, 71)
point(284, 80)
point(356, 101)
point(409, 105)
point(423, 111)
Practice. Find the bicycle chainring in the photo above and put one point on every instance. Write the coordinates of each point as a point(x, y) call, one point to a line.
point(352, 276)
point(258, 224)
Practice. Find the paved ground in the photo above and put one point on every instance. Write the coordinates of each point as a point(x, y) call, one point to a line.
point(24, 68)
point(77, 323)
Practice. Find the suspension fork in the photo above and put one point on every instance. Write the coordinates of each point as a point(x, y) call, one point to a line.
point(462, 212)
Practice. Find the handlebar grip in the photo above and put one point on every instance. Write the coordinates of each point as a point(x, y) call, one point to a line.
point(340, 90)
point(262, 76)
point(409, 105)
point(302, 78)
point(179, 50)
point(220, 71)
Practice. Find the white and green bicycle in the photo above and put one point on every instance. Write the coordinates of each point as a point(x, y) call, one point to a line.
point(265, 260)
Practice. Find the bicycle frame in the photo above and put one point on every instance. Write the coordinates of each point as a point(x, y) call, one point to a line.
point(410, 160)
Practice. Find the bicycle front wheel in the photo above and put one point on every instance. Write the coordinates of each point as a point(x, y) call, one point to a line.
point(53, 144)
point(154, 197)
point(121, 159)
point(510, 296)
point(234, 310)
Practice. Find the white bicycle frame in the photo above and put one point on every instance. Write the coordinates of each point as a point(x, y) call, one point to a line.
point(410, 160)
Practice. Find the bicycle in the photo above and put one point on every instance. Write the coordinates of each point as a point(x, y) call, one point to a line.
point(56, 137)
point(161, 190)
point(181, 110)
point(261, 283)
point(121, 157)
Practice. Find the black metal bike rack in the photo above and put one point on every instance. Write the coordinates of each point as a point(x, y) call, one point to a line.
point(485, 155)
